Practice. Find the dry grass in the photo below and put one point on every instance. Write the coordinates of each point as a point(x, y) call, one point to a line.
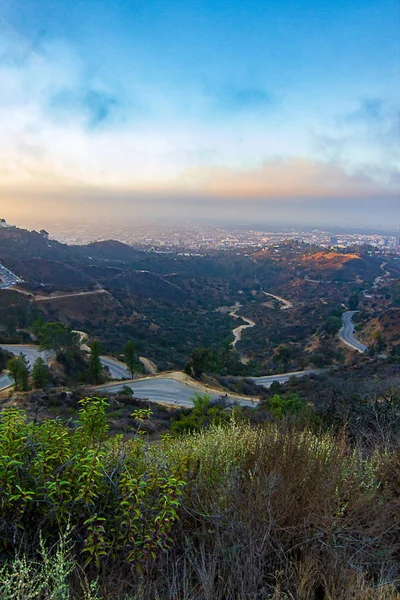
point(279, 514)
point(267, 513)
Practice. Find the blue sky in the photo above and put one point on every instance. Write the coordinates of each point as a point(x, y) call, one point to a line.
point(200, 108)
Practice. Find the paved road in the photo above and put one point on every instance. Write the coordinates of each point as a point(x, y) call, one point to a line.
point(7, 279)
point(31, 353)
point(163, 390)
point(170, 391)
point(117, 369)
point(346, 334)
point(5, 382)
point(267, 380)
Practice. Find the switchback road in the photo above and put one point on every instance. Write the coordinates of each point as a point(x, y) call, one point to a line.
point(174, 388)
point(167, 390)
point(346, 334)
point(116, 368)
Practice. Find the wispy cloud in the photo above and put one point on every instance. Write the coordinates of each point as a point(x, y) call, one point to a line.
point(69, 132)
point(289, 178)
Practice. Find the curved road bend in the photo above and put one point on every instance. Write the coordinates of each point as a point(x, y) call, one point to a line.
point(5, 382)
point(31, 353)
point(116, 368)
point(346, 334)
point(267, 380)
point(169, 391)
point(286, 303)
point(237, 331)
point(155, 388)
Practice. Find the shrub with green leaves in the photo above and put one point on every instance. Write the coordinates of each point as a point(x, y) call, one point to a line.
point(203, 415)
point(117, 499)
point(233, 511)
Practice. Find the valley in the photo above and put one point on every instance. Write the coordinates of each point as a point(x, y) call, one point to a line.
point(174, 305)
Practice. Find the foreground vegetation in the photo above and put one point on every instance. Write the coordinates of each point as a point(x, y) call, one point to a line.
point(236, 511)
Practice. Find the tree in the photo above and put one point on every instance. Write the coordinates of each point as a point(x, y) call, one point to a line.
point(200, 360)
point(40, 373)
point(95, 366)
point(3, 360)
point(24, 372)
point(333, 325)
point(203, 415)
point(13, 366)
point(130, 358)
point(284, 354)
point(354, 301)
point(292, 404)
point(18, 368)
point(379, 341)
point(55, 336)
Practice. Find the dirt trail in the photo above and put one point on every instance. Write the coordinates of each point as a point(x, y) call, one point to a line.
point(148, 364)
point(286, 303)
point(41, 298)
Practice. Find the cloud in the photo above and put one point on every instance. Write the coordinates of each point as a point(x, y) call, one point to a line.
point(288, 178)
point(69, 138)
point(367, 134)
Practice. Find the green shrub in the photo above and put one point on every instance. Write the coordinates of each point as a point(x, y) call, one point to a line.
point(117, 500)
point(233, 511)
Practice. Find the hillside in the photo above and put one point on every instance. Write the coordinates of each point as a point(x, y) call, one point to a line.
point(169, 303)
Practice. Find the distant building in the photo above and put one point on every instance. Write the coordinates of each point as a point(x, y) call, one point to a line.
point(44, 233)
point(3, 223)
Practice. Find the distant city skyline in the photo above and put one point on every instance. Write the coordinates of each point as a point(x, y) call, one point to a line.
point(223, 111)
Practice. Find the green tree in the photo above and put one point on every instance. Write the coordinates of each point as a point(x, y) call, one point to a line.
point(40, 373)
point(292, 404)
point(201, 359)
point(3, 360)
point(130, 356)
point(354, 301)
point(203, 414)
point(13, 370)
point(379, 341)
point(18, 368)
point(95, 366)
point(55, 336)
point(284, 354)
point(332, 325)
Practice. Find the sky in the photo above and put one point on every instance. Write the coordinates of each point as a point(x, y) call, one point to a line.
point(200, 109)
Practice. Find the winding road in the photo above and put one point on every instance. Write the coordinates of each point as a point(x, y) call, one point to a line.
point(177, 388)
point(31, 352)
point(346, 334)
point(267, 380)
point(168, 390)
point(237, 331)
point(116, 368)
point(286, 303)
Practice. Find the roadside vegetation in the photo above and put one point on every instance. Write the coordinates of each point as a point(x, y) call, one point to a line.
point(286, 509)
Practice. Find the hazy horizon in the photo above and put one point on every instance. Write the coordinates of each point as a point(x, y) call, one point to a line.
point(218, 111)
